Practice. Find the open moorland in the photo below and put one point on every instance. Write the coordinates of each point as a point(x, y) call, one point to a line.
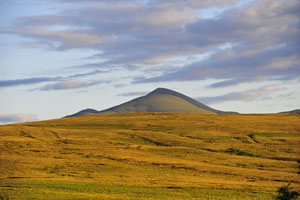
point(150, 156)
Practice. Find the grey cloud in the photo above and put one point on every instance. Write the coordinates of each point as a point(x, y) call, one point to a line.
point(28, 81)
point(190, 3)
point(138, 33)
point(139, 93)
point(247, 95)
point(12, 118)
point(47, 20)
point(280, 62)
point(236, 81)
point(264, 36)
point(230, 82)
point(87, 74)
point(267, 45)
point(289, 95)
point(197, 3)
point(61, 39)
point(120, 85)
point(15, 82)
point(70, 84)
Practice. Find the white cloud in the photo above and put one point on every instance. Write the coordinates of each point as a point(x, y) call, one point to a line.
point(13, 118)
point(166, 16)
point(63, 39)
point(247, 95)
point(63, 85)
point(35, 80)
point(70, 84)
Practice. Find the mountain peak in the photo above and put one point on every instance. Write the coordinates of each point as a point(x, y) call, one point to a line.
point(163, 91)
point(159, 100)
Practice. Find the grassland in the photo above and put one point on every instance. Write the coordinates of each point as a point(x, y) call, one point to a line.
point(150, 156)
point(159, 102)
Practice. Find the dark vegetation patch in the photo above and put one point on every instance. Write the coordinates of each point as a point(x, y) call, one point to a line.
point(145, 140)
point(210, 150)
point(55, 134)
point(271, 134)
point(238, 152)
point(24, 134)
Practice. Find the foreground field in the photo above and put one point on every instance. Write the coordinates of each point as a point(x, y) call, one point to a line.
point(150, 156)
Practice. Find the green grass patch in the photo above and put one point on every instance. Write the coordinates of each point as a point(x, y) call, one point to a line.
point(44, 189)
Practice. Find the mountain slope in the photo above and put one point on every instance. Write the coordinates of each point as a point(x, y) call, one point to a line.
point(292, 111)
point(88, 111)
point(159, 100)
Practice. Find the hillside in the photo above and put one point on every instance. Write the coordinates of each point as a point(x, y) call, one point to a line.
point(150, 156)
point(159, 100)
point(292, 111)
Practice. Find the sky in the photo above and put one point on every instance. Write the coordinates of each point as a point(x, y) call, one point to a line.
point(58, 57)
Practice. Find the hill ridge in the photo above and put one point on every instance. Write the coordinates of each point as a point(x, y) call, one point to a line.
point(159, 100)
point(191, 100)
point(292, 111)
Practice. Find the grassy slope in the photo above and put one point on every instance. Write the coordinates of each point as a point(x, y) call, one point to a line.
point(159, 103)
point(150, 156)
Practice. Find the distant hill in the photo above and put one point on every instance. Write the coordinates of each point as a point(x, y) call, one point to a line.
point(292, 111)
point(159, 100)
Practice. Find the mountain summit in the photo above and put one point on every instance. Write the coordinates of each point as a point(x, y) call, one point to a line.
point(159, 100)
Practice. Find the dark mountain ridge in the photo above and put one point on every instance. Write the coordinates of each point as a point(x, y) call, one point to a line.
point(292, 111)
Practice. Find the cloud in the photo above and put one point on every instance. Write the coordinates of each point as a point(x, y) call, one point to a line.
point(139, 93)
point(266, 45)
point(28, 81)
point(63, 85)
point(45, 20)
point(128, 32)
point(247, 95)
point(120, 85)
point(290, 95)
point(15, 82)
point(12, 118)
point(281, 62)
point(62, 39)
point(86, 74)
point(230, 82)
point(179, 3)
point(167, 16)
point(70, 84)
point(262, 37)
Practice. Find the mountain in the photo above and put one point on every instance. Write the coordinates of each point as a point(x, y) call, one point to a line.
point(159, 100)
point(88, 111)
point(292, 111)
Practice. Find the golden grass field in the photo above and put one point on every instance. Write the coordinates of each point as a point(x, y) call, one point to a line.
point(150, 156)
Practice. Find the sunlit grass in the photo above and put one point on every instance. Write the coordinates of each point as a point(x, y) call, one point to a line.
point(150, 156)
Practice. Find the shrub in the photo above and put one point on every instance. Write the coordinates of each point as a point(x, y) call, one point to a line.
point(285, 193)
point(4, 197)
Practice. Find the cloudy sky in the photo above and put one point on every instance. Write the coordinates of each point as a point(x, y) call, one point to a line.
point(61, 56)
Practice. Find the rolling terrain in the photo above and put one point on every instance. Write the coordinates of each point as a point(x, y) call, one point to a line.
point(150, 156)
point(159, 100)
